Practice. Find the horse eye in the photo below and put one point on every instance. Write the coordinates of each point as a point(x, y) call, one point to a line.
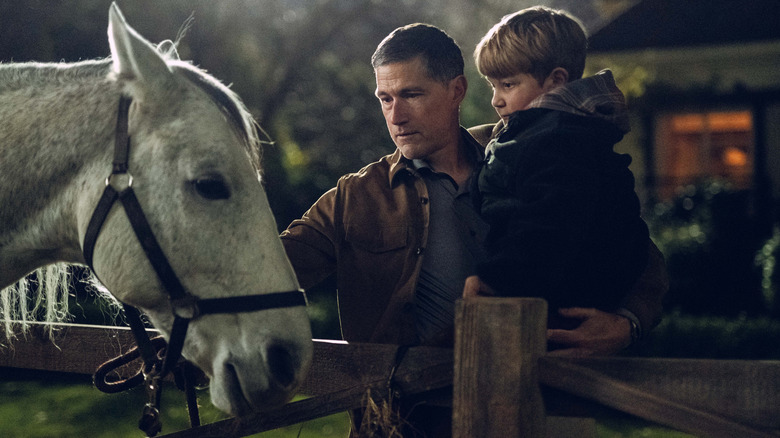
point(212, 187)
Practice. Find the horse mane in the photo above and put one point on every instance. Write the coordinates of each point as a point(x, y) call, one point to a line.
point(24, 74)
point(38, 295)
point(231, 106)
point(43, 294)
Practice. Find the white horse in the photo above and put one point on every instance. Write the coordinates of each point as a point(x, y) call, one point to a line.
point(194, 162)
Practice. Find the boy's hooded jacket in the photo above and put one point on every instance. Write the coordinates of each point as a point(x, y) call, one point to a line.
point(565, 221)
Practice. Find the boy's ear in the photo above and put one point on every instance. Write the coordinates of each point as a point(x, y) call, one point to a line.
point(557, 78)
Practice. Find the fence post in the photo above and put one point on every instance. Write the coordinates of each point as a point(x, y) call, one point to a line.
point(498, 342)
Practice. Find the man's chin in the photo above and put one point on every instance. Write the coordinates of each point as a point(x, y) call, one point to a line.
point(411, 150)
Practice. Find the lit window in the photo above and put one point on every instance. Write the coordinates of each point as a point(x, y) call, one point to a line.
point(691, 147)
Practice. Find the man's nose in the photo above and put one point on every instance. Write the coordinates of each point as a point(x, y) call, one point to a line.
point(397, 115)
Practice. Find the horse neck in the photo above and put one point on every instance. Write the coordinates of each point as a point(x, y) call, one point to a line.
point(56, 122)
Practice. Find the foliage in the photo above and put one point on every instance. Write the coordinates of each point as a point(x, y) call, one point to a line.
point(712, 337)
point(766, 260)
point(709, 240)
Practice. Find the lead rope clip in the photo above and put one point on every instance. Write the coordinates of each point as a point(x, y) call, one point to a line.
point(150, 419)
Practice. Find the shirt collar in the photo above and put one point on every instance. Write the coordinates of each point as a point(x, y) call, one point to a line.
point(474, 151)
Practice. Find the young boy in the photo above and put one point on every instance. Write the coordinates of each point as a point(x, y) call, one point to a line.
point(564, 218)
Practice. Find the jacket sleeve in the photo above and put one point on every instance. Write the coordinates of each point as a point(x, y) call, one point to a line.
point(310, 242)
point(645, 300)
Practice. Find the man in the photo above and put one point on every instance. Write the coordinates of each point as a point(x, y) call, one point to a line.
point(401, 234)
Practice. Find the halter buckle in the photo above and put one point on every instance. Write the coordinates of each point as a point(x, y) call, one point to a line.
point(186, 307)
point(119, 181)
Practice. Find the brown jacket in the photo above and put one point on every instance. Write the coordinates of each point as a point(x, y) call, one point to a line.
point(371, 231)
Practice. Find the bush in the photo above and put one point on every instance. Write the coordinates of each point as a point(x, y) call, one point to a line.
point(766, 260)
point(710, 337)
point(708, 237)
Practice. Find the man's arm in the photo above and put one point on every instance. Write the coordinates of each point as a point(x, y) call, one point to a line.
point(645, 300)
point(603, 333)
point(309, 242)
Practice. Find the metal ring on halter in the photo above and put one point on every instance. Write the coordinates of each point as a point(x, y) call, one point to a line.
point(114, 178)
point(185, 307)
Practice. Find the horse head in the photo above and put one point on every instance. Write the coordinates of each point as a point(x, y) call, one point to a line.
point(194, 166)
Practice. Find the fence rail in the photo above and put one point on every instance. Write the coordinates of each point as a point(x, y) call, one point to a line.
point(718, 398)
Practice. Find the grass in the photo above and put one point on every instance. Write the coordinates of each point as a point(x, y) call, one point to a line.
point(629, 427)
point(62, 406)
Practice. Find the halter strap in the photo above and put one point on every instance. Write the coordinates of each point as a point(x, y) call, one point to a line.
point(119, 186)
point(185, 306)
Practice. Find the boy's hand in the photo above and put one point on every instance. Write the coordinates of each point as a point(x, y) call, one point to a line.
point(474, 286)
point(600, 333)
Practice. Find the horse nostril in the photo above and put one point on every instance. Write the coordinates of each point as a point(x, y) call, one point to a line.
point(281, 365)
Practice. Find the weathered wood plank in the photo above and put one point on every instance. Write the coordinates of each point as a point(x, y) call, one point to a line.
point(744, 391)
point(580, 378)
point(725, 394)
point(338, 366)
point(498, 342)
point(69, 348)
point(341, 376)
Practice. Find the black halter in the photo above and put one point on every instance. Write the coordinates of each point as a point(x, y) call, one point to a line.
point(185, 306)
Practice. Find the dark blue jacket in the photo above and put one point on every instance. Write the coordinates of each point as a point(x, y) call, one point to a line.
point(564, 217)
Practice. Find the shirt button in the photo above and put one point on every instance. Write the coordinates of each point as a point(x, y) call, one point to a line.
point(419, 251)
point(424, 200)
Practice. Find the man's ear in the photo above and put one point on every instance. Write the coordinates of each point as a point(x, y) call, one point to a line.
point(557, 78)
point(459, 85)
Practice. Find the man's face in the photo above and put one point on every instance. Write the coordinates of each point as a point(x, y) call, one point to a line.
point(421, 112)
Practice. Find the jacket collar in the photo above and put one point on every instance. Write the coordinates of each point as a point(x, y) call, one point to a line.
point(595, 96)
point(399, 163)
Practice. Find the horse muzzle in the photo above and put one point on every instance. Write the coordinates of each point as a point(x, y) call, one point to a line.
point(240, 385)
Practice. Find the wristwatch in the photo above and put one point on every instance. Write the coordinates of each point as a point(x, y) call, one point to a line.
point(636, 331)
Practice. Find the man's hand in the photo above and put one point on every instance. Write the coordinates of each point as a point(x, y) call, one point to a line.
point(599, 334)
point(474, 286)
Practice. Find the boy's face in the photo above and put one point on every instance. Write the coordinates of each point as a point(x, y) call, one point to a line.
point(514, 93)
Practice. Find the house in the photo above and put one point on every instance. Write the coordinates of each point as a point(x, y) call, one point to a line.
point(703, 81)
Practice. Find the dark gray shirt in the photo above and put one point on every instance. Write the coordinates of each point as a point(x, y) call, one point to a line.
point(455, 243)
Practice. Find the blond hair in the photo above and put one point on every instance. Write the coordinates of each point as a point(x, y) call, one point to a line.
point(534, 41)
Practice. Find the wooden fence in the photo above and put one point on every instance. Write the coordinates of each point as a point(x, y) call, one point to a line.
point(504, 385)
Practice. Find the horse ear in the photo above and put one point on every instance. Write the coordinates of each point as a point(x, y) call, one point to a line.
point(133, 56)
